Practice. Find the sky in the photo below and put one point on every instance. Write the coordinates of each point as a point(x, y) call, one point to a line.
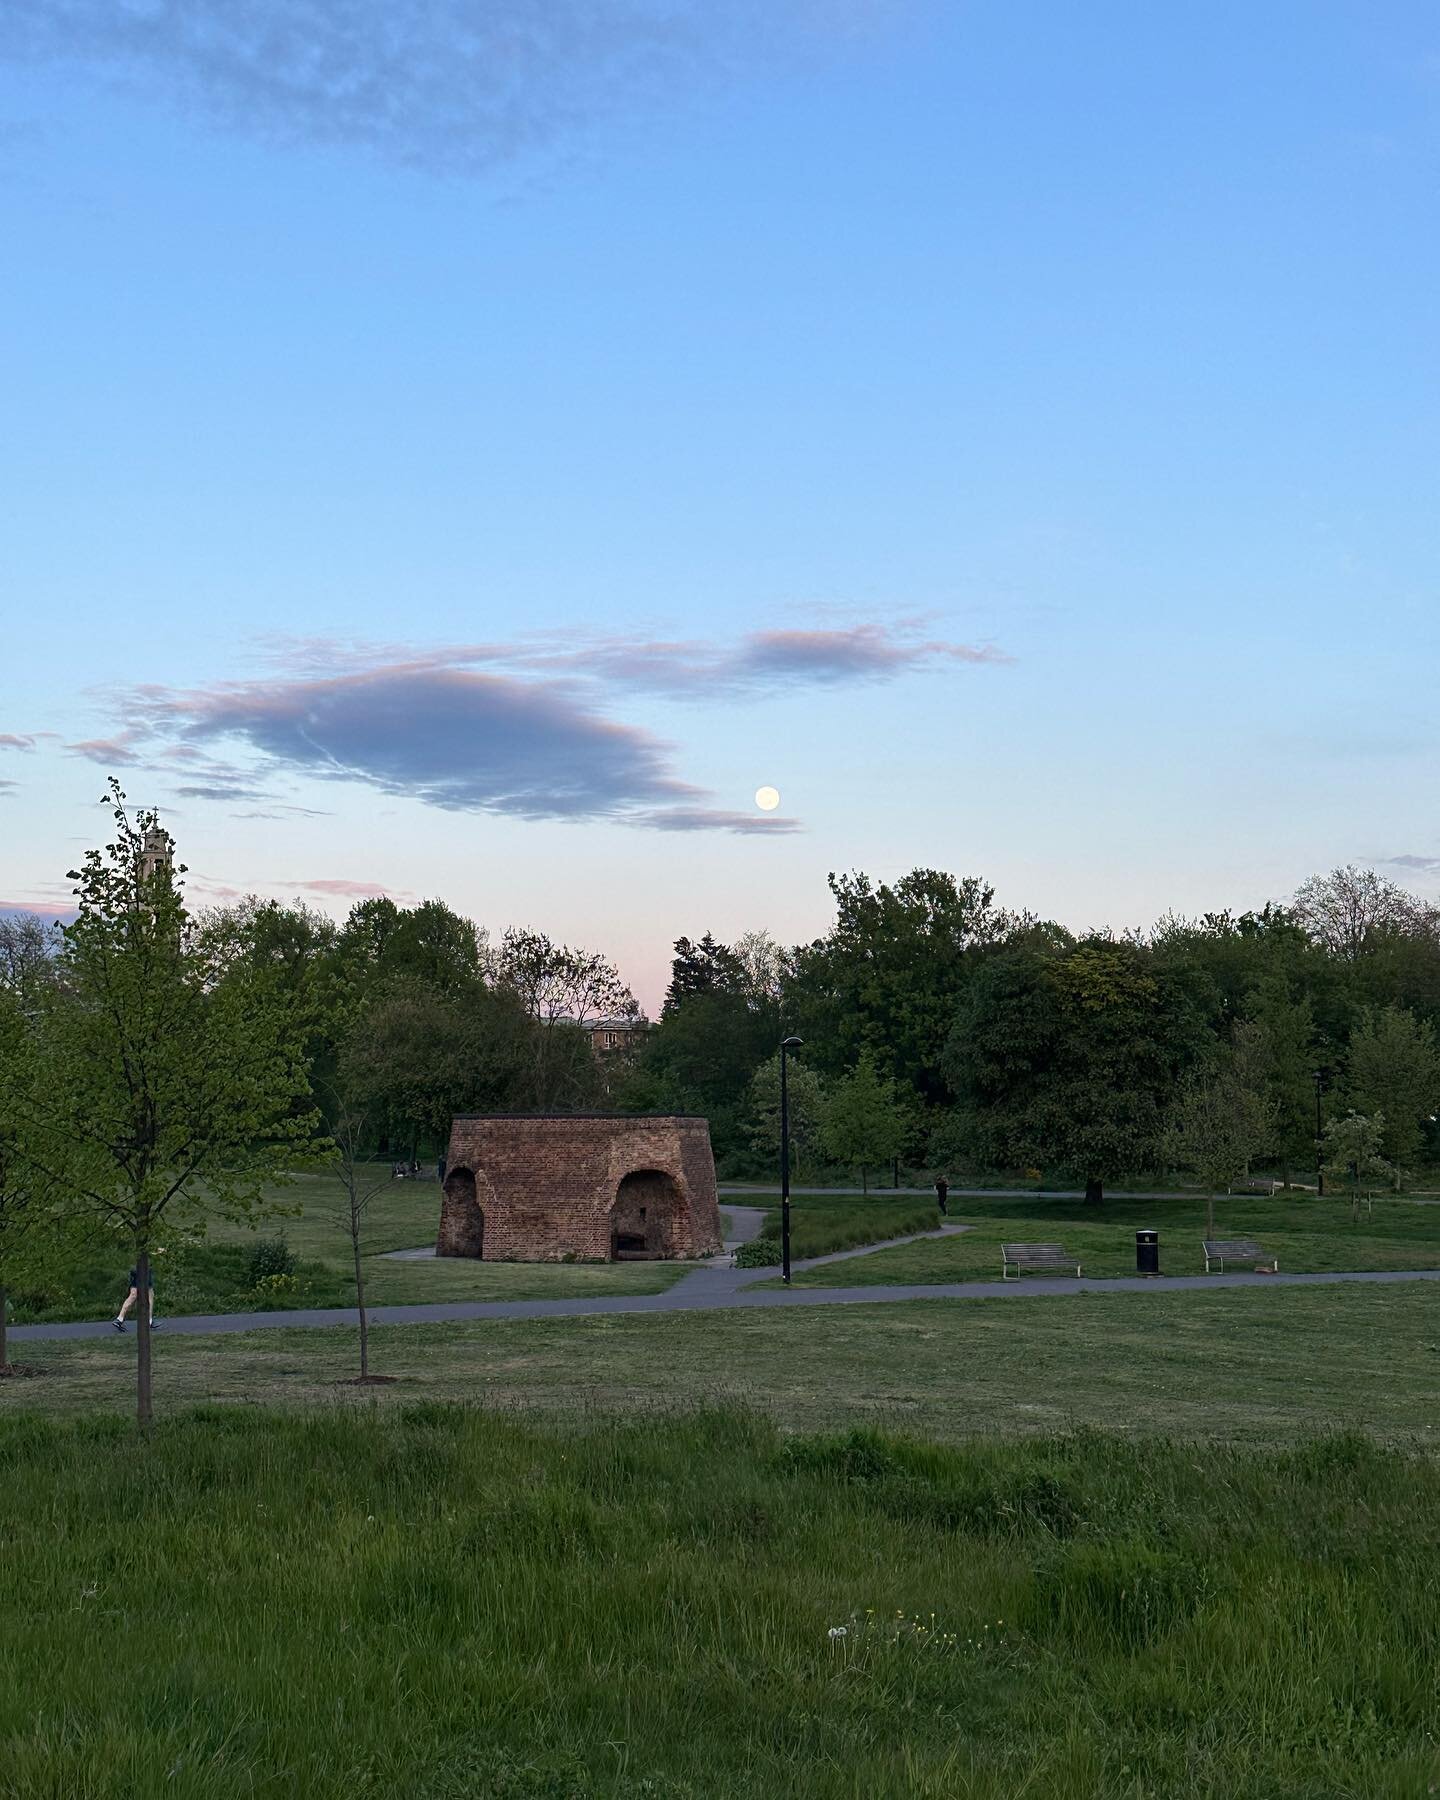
point(467, 450)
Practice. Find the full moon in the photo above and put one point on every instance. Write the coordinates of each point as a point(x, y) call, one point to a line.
point(767, 798)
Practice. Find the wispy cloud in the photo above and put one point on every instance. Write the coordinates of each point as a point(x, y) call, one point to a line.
point(336, 888)
point(111, 752)
point(456, 84)
point(1417, 865)
point(758, 663)
point(10, 740)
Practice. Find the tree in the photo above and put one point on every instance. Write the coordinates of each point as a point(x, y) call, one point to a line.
point(806, 1106)
point(1065, 1056)
point(412, 1059)
point(1354, 1151)
point(1219, 1122)
point(563, 990)
point(889, 974)
point(361, 1182)
point(168, 1085)
point(705, 966)
point(1351, 910)
point(27, 1213)
point(862, 1125)
point(1394, 1072)
point(1283, 1052)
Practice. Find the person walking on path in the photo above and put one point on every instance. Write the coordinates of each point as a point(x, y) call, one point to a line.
point(942, 1194)
point(133, 1296)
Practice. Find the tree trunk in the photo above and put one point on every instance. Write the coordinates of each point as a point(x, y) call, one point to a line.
point(1094, 1190)
point(360, 1297)
point(4, 1365)
point(865, 1182)
point(1210, 1217)
point(144, 1405)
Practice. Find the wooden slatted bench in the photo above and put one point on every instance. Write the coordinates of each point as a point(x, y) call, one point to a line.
point(1036, 1259)
point(1246, 1250)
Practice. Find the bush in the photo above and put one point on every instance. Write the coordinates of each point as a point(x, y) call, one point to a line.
point(269, 1257)
point(759, 1253)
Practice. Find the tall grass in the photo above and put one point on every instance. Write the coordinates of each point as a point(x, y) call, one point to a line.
point(445, 1603)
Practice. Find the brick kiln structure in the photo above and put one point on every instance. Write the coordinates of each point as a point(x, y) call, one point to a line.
point(593, 1187)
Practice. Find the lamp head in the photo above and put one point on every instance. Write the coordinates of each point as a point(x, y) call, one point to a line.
point(791, 1043)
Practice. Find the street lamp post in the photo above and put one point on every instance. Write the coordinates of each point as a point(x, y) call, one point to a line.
point(786, 1045)
point(1319, 1139)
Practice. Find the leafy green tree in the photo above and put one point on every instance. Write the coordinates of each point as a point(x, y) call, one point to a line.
point(413, 1059)
point(862, 1126)
point(1284, 1058)
point(1394, 1072)
point(27, 1200)
point(166, 1085)
point(806, 1098)
point(1065, 1056)
point(890, 973)
point(1220, 1121)
point(1354, 1152)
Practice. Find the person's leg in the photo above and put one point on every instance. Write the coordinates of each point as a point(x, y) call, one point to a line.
point(152, 1303)
point(125, 1306)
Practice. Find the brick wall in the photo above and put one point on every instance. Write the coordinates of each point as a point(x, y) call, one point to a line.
point(545, 1189)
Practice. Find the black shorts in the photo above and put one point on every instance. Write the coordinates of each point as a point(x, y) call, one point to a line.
point(135, 1278)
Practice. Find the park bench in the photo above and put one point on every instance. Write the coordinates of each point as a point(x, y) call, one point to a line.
point(1246, 1250)
point(1036, 1259)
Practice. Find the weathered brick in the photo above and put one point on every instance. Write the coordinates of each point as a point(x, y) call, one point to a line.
point(578, 1186)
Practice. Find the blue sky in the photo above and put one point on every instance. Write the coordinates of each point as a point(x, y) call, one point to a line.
point(469, 454)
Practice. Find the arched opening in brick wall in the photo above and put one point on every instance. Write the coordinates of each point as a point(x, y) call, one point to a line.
point(465, 1215)
point(646, 1217)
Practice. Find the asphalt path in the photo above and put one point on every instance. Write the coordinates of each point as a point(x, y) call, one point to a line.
point(718, 1286)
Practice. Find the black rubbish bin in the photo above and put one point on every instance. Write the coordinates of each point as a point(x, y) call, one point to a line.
point(1147, 1252)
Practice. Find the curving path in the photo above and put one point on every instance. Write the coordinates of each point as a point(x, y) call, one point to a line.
point(718, 1285)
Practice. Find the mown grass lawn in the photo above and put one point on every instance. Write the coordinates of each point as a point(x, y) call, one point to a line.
point(1313, 1234)
point(1259, 1365)
point(451, 1604)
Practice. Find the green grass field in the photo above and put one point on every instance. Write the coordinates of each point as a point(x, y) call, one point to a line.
point(1258, 1366)
point(1308, 1234)
point(451, 1604)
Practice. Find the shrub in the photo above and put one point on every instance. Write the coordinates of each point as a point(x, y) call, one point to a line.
point(759, 1253)
point(269, 1256)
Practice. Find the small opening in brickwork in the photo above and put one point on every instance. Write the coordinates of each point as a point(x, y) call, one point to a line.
point(646, 1218)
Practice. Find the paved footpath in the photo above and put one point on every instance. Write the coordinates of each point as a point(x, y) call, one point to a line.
point(720, 1285)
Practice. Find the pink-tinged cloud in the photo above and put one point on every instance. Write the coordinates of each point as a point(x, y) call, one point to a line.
point(42, 909)
point(11, 740)
point(348, 890)
point(761, 662)
point(107, 751)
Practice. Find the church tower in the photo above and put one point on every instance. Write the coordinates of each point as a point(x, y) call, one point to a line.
point(157, 852)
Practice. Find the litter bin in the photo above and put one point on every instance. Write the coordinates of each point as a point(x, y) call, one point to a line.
point(1147, 1252)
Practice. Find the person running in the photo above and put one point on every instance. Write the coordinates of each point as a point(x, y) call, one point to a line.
point(133, 1296)
point(942, 1194)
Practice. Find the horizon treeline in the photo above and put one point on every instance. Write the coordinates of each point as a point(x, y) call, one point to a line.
point(941, 1030)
